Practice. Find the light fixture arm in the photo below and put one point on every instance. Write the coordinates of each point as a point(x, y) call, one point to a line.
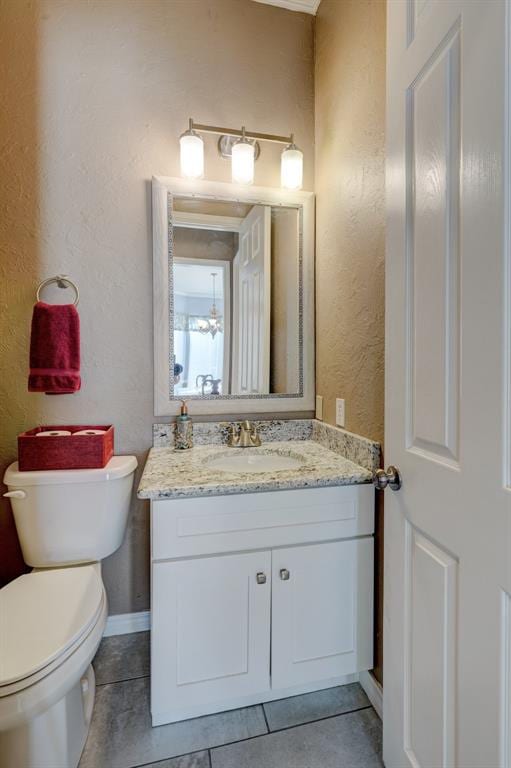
point(240, 134)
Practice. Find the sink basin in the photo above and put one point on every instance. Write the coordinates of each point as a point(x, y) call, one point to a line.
point(245, 461)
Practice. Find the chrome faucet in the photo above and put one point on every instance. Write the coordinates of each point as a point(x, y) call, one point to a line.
point(204, 378)
point(247, 437)
point(207, 378)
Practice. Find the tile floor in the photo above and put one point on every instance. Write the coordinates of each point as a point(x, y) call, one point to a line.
point(335, 728)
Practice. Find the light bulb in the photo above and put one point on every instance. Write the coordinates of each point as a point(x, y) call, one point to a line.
point(291, 167)
point(192, 154)
point(243, 157)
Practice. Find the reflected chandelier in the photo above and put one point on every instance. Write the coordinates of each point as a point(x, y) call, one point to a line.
point(213, 324)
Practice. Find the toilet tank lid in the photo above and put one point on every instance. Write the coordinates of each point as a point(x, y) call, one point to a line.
point(117, 467)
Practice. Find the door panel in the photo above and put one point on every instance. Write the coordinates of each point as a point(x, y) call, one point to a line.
point(430, 651)
point(201, 659)
point(322, 614)
point(251, 304)
point(448, 530)
point(433, 166)
point(416, 12)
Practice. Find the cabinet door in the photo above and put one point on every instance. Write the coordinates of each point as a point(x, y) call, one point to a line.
point(322, 609)
point(210, 637)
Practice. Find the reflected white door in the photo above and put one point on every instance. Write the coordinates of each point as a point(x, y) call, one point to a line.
point(447, 659)
point(251, 304)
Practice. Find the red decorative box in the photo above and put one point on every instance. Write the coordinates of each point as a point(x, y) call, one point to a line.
point(65, 451)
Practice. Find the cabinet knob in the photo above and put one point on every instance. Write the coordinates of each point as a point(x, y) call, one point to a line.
point(284, 574)
point(261, 577)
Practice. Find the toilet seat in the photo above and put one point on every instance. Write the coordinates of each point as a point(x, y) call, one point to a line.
point(45, 616)
point(40, 692)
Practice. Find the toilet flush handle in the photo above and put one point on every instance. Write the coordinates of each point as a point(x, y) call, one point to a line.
point(15, 495)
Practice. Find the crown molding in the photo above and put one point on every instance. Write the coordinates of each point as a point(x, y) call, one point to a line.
point(304, 6)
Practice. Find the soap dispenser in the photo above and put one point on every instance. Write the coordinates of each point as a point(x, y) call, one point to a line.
point(184, 429)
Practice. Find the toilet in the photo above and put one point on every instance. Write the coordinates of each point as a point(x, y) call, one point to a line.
point(52, 619)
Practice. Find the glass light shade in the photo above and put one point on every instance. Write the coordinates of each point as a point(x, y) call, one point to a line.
point(192, 155)
point(291, 167)
point(243, 156)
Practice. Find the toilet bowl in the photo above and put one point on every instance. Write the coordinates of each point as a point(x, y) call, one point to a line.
point(52, 619)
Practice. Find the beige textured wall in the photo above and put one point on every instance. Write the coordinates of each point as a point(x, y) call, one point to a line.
point(94, 95)
point(350, 216)
point(350, 118)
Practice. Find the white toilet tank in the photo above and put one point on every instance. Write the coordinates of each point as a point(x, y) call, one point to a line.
point(64, 517)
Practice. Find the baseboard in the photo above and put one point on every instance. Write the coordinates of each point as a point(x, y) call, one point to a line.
point(373, 690)
point(125, 623)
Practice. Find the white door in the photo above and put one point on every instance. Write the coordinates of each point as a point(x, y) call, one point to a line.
point(447, 615)
point(210, 633)
point(322, 612)
point(251, 304)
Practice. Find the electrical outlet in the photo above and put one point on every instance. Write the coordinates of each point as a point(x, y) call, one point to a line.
point(339, 412)
point(319, 407)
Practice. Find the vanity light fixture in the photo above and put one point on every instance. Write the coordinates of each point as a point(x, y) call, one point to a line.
point(291, 166)
point(192, 153)
point(213, 324)
point(242, 148)
point(243, 159)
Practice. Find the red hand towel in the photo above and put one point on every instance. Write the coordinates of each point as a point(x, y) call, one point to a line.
point(54, 349)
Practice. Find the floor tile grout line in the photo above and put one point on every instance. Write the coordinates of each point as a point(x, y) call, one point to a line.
point(265, 718)
point(287, 728)
point(320, 719)
point(123, 680)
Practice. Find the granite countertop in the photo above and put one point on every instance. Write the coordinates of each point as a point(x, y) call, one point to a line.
point(175, 474)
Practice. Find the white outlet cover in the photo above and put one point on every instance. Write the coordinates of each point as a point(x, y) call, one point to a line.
point(339, 412)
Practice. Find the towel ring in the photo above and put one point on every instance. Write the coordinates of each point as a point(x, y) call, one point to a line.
point(62, 281)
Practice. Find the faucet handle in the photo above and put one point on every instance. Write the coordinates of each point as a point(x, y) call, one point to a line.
point(255, 437)
point(234, 439)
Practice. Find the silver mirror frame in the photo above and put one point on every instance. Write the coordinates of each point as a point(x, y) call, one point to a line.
point(167, 404)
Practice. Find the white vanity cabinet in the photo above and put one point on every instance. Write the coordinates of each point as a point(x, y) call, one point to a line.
point(258, 596)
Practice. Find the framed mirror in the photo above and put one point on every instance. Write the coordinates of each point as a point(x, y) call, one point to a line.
point(233, 298)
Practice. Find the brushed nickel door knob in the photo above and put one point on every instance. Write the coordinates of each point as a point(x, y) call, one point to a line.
point(261, 577)
point(391, 477)
point(284, 574)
